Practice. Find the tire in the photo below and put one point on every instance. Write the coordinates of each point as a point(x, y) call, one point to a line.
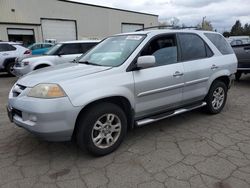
point(9, 68)
point(238, 76)
point(95, 137)
point(216, 97)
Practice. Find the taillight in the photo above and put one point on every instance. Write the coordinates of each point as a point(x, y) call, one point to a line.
point(28, 52)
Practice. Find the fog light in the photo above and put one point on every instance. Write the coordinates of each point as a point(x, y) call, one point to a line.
point(33, 118)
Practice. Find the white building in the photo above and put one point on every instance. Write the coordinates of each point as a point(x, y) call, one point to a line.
point(36, 20)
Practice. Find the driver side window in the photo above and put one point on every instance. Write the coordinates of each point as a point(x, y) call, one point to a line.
point(164, 49)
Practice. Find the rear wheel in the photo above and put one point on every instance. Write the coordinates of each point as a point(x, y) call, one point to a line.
point(216, 97)
point(102, 128)
point(10, 68)
point(238, 76)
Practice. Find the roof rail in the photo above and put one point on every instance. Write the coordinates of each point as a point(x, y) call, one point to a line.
point(168, 27)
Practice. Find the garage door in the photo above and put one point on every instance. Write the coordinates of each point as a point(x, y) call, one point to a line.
point(59, 29)
point(131, 27)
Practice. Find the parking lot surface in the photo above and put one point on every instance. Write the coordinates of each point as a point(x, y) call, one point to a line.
point(190, 150)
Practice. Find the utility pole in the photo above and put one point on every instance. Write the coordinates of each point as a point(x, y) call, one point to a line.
point(203, 22)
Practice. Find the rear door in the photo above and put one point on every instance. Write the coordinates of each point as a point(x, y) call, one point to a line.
point(198, 64)
point(159, 88)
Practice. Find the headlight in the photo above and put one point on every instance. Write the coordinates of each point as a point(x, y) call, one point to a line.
point(47, 91)
point(24, 63)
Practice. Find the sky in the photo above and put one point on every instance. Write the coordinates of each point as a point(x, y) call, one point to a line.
point(221, 13)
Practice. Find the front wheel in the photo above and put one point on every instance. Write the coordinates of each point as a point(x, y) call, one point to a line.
point(102, 128)
point(216, 97)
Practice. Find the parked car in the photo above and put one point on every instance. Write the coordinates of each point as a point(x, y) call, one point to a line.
point(238, 40)
point(243, 55)
point(9, 51)
point(60, 53)
point(40, 48)
point(127, 80)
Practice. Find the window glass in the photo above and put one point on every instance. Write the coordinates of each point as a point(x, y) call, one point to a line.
point(209, 51)
point(36, 46)
point(220, 43)
point(164, 49)
point(87, 46)
point(192, 47)
point(47, 45)
point(6, 47)
point(71, 49)
point(113, 51)
point(54, 50)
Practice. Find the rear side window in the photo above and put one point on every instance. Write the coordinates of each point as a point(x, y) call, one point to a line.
point(87, 46)
point(6, 47)
point(220, 43)
point(193, 47)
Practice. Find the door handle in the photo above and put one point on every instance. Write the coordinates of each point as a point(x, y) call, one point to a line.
point(214, 67)
point(177, 73)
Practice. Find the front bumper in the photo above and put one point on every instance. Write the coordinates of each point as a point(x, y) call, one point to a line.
point(50, 119)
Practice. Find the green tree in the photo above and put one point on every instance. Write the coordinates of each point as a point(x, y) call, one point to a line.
point(246, 29)
point(237, 29)
point(226, 34)
point(206, 25)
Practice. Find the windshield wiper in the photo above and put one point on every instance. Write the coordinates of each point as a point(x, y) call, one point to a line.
point(89, 63)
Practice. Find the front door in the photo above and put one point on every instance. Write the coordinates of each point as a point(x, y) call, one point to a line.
point(160, 87)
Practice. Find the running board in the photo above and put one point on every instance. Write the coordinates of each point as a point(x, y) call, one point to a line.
point(167, 115)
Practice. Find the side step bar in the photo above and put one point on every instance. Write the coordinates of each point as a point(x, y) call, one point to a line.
point(167, 115)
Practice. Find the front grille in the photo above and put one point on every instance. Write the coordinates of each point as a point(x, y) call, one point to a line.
point(17, 112)
point(18, 89)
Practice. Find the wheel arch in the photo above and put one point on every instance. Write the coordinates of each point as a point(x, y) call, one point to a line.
point(6, 61)
point(41, 66)
point(120, 101)
point(225, 79)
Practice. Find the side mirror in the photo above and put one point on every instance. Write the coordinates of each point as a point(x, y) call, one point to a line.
point(60, 53)
point(146, 61)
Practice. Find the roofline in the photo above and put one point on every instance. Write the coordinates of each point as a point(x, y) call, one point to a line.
point(79, 41)
point(99, 6)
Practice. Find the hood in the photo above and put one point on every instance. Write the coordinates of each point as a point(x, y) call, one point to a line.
point(38, 58)
point(56, 74)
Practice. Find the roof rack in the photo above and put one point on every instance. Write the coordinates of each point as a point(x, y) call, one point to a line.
point(168, 27)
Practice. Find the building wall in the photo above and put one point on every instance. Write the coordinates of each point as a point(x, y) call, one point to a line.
point(92, 21)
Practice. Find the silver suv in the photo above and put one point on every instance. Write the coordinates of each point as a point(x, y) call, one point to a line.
point(127, 80)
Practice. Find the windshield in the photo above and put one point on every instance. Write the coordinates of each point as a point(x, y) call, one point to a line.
point(31, 46)
point(113, 51)
point(53, 50)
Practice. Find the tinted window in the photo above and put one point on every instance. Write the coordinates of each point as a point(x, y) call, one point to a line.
point(164, 49)
point(192, 47)
point(36, 46)
point(54, 50)
point(6, 47)
point(71, 49)
point(87, 46)
point(220, 43)
point(47, 45)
